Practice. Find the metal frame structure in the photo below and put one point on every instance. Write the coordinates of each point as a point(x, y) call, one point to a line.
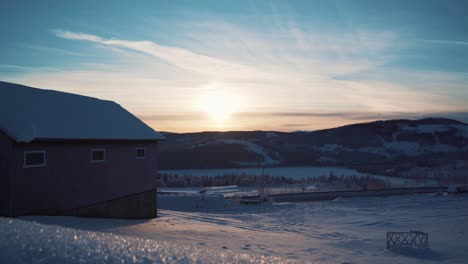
point(413, 239)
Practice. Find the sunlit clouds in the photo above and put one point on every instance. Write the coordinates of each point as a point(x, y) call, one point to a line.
point(215, 74)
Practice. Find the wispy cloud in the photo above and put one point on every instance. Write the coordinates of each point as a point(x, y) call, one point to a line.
point(447, 42)
point(286, 76)
point(290, 114)
point(355, 42)
point(229, 52)
point(180, 57)
point(296, 125)
point(293, 49)
point(365, 116)
point(174, 116)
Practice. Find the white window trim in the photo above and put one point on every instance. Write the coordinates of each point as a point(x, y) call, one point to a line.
point(144, 157)
point(35, 165)
point(104, 158)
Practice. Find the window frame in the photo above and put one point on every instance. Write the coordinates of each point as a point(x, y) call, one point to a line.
point(34, 165)
point(144, 152)
point(98, 161)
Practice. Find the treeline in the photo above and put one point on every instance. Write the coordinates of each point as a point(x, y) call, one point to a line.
point(243, 179)
point(250, 180)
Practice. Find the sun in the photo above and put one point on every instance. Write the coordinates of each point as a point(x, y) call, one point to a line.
point(219, 106)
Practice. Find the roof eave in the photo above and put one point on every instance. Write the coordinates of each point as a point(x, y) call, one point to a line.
point(90, 139)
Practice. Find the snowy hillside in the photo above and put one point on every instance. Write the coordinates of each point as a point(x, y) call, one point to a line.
point(252, 147)
point(373, 147)
point(411, 140)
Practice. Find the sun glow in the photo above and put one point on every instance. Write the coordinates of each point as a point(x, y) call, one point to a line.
point(219, 106)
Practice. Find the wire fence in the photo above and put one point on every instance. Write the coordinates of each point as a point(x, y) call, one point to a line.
point(413, 239)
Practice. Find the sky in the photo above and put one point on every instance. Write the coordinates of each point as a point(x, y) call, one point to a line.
point(186, 66)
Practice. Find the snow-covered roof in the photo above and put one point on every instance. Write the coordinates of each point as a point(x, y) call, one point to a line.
point(28, 114)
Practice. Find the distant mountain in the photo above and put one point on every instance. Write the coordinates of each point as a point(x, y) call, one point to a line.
point(387, 147)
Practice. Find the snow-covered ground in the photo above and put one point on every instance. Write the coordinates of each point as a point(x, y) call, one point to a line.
point(28, 242)
point(339, 231)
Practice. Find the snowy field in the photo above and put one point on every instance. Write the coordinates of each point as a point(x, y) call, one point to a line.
point(26, 242)
point(211, 229)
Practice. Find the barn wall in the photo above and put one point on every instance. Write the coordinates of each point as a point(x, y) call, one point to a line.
point(134, 206)
point(70, 180)
point(6, 151)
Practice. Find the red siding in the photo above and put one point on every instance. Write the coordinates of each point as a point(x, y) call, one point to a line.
point(6, 150)
point(70, 180)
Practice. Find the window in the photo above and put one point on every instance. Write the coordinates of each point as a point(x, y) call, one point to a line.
point(34, 159)
point(98, 155)
point(140, 153)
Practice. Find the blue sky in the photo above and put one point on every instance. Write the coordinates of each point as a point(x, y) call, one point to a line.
point(242, 65)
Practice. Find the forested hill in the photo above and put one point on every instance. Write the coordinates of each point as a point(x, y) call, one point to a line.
point(381, 146)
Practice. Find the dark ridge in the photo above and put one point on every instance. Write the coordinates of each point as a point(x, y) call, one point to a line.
point(378, 123)
point(423, 121)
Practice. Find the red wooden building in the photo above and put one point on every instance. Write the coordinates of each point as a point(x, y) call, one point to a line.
point(67, 154)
